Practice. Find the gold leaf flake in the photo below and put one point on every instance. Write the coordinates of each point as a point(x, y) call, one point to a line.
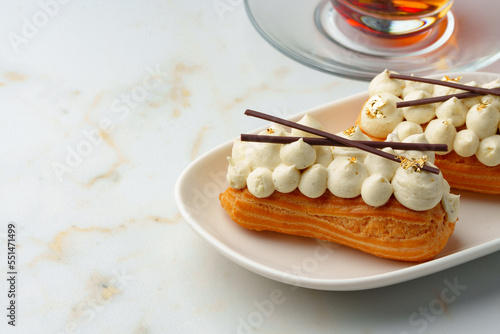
point(483, 105)
point(447, 78)
point(417, 164)
point(349, 132)
point(372, 109)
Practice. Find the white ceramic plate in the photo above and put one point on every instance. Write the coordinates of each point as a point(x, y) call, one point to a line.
point(322, 265)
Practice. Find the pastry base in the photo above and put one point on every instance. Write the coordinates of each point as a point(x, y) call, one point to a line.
point(390, 231)
point(469, 173)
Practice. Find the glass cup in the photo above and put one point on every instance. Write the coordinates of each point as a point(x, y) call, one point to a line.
point(392, 18)
point(314, 33)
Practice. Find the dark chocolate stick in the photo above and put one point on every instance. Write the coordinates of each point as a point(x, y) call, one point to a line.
point(435, 99)
point(327, 142)
point(480, 90)
point(332, 137)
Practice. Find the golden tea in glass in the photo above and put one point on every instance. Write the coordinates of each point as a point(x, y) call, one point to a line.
point(389, 18)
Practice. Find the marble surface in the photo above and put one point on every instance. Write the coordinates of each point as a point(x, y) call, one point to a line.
point(103, 105)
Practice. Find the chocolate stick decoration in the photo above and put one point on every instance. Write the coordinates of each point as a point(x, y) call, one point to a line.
point(327, 142)
point(435, 99)
point(333, 137)
point(480, 90)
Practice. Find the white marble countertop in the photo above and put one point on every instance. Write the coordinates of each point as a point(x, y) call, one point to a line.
point(103, 104)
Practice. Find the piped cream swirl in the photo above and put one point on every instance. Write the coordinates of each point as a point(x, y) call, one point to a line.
point(383, 83)
point(380, 116)
point(418, 191)
point(298, 154)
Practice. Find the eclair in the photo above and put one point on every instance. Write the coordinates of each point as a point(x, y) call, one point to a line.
point(470, 127)
point(341, 194)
